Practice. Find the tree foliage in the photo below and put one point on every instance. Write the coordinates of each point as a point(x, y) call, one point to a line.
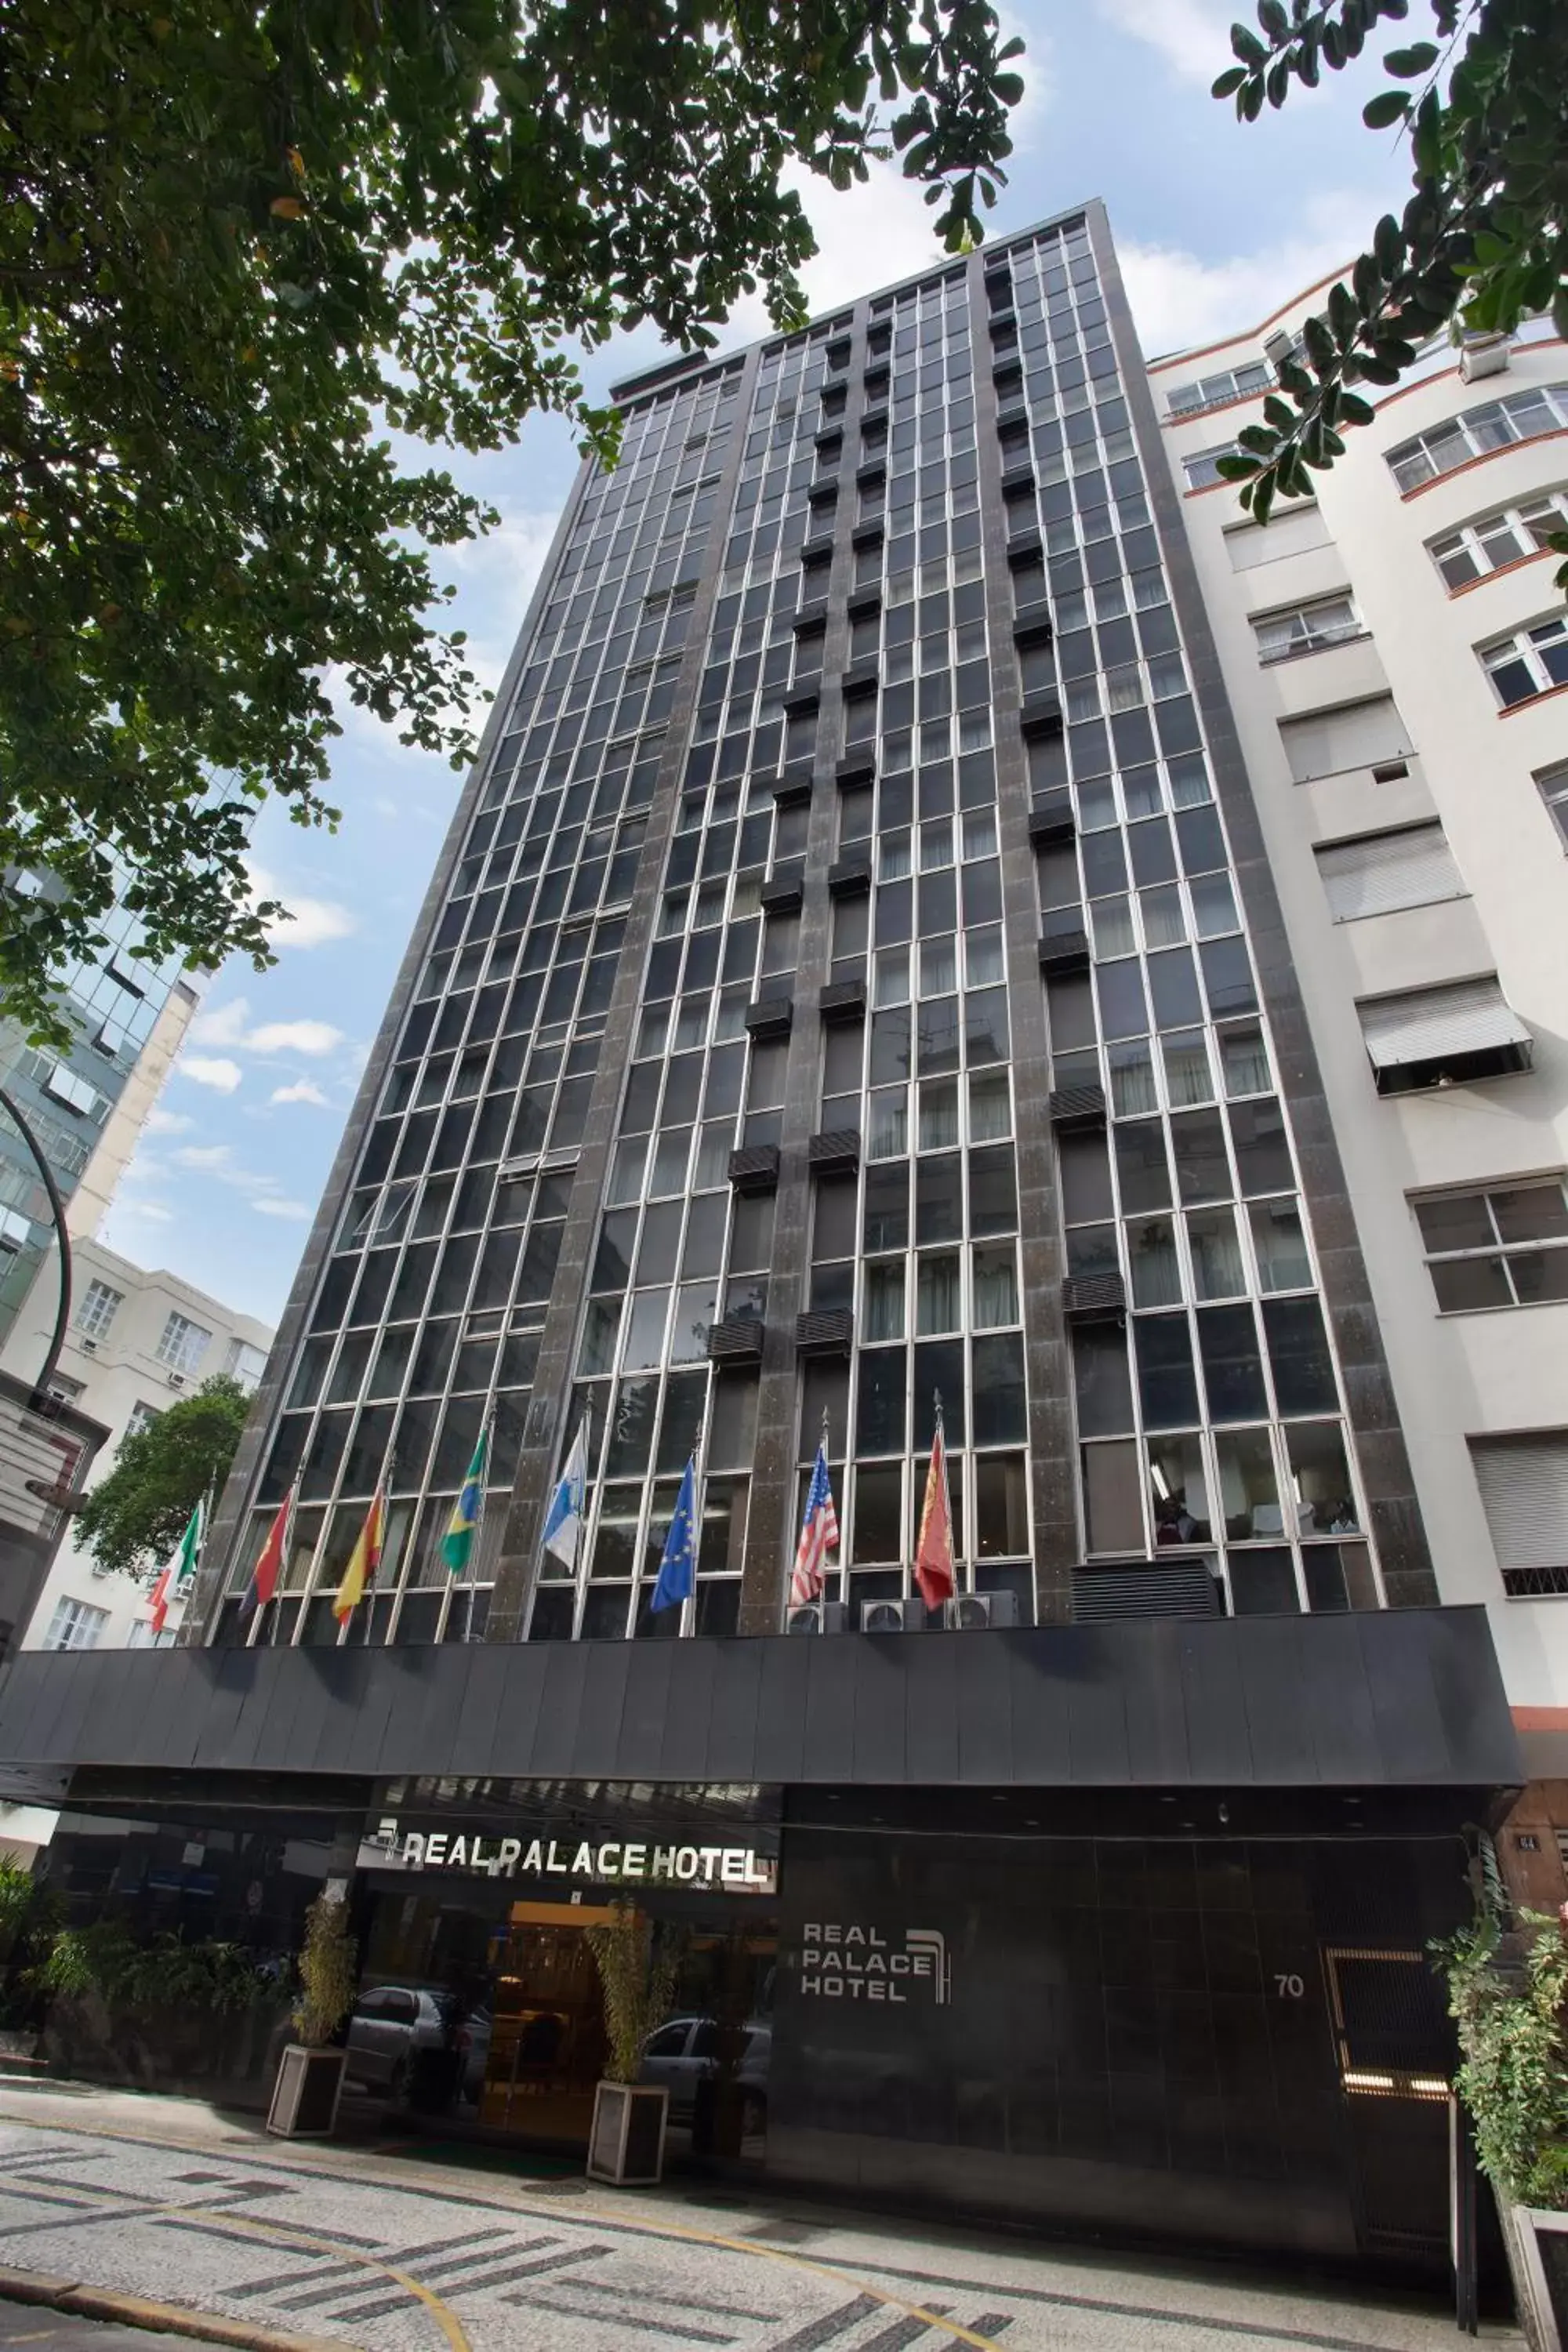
point(252, 253)
point(637, 1964)
point(1482, 243)
point(329, 1972)
point(133, 1518)
point(1515, 2075)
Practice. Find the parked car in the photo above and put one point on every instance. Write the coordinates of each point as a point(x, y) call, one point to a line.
point(390, 2026)
point(684, 2052)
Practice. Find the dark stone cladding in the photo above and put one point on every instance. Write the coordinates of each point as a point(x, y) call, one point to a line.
point(1374, 1699)
point(537, 1460)
point(268, 1402)
point(771, 1507)
point(1048, 1379)
point(1395, 1512)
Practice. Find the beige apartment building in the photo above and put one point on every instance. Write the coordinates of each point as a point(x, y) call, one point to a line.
point(1396, 654)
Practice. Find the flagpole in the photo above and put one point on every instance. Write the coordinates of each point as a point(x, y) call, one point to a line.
point(698, 1490)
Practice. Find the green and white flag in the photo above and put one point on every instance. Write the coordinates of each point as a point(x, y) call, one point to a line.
point(176, 1578)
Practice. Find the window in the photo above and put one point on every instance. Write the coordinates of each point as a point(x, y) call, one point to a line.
point(98, 1310)
point(74, 1092)
point(1306, 629)
point(1498, 540)
point(1529, 663)
point(1384, 871)
point(1201, 468)
point(1553, 784)
point(183, 1345)
point(1522, 416)
point(1523, 1484)
point(1500, 1247)
point(14, 1229)
point(1293, 531)
point(1432, 1036)
point(142, 1416)
point(1214, 391)
point(1368, 734)
point(244, 1363)
point(75, 1625)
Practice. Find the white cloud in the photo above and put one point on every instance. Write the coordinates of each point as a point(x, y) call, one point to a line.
point(310, 922)
point(1191, 35)
point(224, 1025)
point(1179, 302)
point(303, 1090)
point(155, 1212)
point(312, 1037)
point(207, 1157)
point(222, 1075)
point(296, 1210)
point(168, 1122)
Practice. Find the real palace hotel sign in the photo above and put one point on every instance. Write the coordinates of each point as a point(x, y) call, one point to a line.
point(575, 1859)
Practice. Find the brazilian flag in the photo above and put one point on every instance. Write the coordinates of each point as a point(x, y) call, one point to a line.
point(459, 1540)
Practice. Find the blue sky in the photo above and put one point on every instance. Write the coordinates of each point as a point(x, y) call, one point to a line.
point(1215, 223)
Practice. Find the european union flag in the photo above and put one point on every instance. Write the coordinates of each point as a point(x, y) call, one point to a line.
point(678, 1568)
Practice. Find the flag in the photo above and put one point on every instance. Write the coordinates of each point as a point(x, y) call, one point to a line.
point(363, 1560)
point(818, 1534)
point(933, 1552)
point(564, 1521)
point(274, 1552)
point(678, 1568)
point(174, 1579)
point(459, 1540)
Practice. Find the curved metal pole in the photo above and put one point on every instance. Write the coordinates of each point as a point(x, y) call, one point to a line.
point(58, 1211)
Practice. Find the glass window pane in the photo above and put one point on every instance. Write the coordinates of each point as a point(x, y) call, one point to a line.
point(939, 1210)
point(1156, 1271)
point(889, 1136)
point(696, 1304)
point(937, 1294)
point(1001, 1507)
point(1164, 924)
point(1262, 1584)
point(1319, 1478)
point(938, 1115)
point(1178, 1490)
point(1299, 1352)
point(883, 1311)
point(1203, 1170)
point(1281, 1245)
point(878, 1514)
point(1455, 1220)
point(1188, 1078)
point(1232, 1364)
point(1167, 1384)
point(999, 1413)
point(1133, 1079)
point(1531, 1212)
point(1539, 1275)
point(1101, 1381)
point(645, 1333)
point(990, 1107)
point(994, 1275)
point(879, 1420)
point(1248, 1493)
point(1244, 1059)
point(1217, 1271)
point(1113, 1506)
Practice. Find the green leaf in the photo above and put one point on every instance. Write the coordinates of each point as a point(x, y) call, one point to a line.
point(1229, 81)
point(1411, 63)
point(1390, 106)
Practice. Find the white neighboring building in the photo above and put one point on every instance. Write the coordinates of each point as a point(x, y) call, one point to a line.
point(138, 1341)
point(1396, 657)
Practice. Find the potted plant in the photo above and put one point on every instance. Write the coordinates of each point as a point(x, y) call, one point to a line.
point(636, 1975)
point(311, 2070)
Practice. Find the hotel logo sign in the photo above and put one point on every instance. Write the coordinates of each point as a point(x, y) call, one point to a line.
point(846, 1961)
point(575, 1859)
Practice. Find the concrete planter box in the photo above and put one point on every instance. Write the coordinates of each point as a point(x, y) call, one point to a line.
point(306, 2094)
point(627, 2142)
point(1537, 2246)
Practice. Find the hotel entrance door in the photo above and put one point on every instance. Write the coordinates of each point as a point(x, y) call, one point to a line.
point(547, 2032)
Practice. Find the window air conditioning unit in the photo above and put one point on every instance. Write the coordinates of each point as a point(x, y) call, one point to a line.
point(1277, 347)
point(1482, 355)
point(176, 1379)
point(87, 1347)
point(815, 1617)
point(893, 1616)
point(968, 1610)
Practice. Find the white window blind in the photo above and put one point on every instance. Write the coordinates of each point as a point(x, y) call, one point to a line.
point(1294, 532)
point(1524, 1492)
point(1425, 1025)
point(1384, 871)
point(1358, 735)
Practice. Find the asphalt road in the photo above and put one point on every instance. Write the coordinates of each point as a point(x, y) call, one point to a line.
point(164, 2199)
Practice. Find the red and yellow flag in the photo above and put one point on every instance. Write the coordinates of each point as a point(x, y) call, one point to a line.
point(363, 1560)
point(933, 1552)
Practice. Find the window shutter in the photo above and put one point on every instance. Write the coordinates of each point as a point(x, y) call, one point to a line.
point(1429, 1023)
point(1524, 1492)
point(1361, 735)
point(1384, 871)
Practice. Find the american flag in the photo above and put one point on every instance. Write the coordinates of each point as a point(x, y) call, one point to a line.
point(818, 1535)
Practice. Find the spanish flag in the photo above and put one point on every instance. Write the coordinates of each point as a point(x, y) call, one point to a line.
point(363, 1560)
point(459, 1540)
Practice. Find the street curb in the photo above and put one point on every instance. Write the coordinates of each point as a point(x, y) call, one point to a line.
point(162, 2319)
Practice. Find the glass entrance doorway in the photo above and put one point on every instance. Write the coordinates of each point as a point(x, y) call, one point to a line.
point(546, 2033)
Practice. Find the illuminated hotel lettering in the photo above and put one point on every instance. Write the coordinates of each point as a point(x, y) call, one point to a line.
point(738, 1869)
